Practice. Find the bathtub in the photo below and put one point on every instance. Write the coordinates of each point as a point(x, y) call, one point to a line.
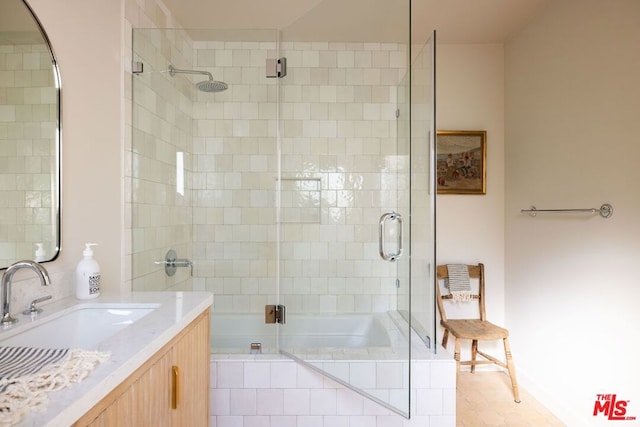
point(333, 366)
point(233, 333)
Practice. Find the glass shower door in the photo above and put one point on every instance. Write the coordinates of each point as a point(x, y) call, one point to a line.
point(344, 232)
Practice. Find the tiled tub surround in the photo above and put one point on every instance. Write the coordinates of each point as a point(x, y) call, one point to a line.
point(298, 395)
point(273, 391)
point(377, 368)
point(28, 117)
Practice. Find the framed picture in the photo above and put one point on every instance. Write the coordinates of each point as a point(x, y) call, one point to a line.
point(461, 161)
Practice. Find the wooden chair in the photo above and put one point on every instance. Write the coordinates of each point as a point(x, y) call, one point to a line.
point(474, 329)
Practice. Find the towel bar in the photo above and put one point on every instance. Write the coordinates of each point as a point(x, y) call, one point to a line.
point(605, 211)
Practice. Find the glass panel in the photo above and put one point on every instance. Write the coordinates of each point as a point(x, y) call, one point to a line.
point(162, 133)
point(346, 163)
point(29, 139)
point(221, 147)
point(423, 319)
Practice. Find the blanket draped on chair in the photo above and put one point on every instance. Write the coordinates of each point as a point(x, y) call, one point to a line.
point(458, 282)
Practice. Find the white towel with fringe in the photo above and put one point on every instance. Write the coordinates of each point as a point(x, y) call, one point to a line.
point(28, 374)
point(458, 283)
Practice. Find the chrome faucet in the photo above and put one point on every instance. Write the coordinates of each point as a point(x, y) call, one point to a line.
point(5, 286)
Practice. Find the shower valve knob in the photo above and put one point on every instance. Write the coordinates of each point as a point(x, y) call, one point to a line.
point(171, 263)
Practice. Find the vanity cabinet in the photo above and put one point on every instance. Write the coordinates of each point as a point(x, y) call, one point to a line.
point(169, 389)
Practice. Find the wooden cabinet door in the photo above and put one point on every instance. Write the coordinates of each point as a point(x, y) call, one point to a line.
point(144, 401)
point(191, 355)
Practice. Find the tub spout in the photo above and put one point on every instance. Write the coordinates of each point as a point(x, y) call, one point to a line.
point(5, 286)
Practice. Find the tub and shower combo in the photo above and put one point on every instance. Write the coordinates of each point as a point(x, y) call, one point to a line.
point(290, 173)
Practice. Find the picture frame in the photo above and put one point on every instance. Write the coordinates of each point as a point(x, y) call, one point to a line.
point(461, 161)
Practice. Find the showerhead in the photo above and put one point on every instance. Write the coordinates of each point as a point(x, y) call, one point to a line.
point(205, 86)
point(212, 86)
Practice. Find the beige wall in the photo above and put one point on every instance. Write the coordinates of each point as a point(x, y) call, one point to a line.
point(572, 109)
point(470, 228)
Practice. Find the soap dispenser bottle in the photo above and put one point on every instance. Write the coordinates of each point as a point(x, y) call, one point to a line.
point(88, 275)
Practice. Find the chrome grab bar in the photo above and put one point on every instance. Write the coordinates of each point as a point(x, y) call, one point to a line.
point(605, 211)
point(391, 216)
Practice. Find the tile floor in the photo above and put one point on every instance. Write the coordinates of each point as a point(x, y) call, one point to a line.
point(485, 399)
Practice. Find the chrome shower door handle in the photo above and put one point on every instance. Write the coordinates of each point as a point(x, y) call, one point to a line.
point(398, 218)
point(390, 216)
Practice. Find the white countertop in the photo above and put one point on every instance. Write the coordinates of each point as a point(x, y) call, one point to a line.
point(129, 349)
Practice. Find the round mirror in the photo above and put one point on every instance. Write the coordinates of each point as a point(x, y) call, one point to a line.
point(29, 138)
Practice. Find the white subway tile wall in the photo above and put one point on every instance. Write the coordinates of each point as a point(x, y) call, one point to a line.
point(305, 398)
point(234, 176)
point(337, 174)
point(162, 146)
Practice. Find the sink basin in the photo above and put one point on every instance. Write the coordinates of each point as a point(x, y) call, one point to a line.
point(82, 326)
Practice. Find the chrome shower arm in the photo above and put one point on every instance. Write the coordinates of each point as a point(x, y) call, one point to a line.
point(173, 71)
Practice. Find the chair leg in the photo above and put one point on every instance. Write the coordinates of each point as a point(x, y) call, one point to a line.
point(474, 354)
point(512, 371)
point(445, 338)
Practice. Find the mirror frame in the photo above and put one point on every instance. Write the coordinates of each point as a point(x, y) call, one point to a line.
point(56, 174)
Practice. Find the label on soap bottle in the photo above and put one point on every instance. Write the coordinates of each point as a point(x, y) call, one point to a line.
point(94, 283)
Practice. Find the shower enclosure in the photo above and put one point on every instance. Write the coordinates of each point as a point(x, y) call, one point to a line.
point(300, 184)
